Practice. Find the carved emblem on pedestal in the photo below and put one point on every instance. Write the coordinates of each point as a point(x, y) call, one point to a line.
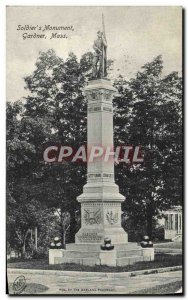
point(111, 217)
point(91, 96)
point(92, 217)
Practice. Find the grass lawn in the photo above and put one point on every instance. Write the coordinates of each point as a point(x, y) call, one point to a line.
point(161, 260)
point(165, 289)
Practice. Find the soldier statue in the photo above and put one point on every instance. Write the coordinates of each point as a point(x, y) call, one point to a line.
point(99, 59)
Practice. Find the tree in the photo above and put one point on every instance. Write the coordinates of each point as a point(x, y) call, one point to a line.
point(47, 116)
point(60, 99)
point(150, 116)
point(22, 217)
point(24, 207)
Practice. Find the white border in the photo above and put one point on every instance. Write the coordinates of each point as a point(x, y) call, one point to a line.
point(3, 4)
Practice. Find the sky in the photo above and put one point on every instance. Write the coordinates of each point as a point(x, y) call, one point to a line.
point(135, 36)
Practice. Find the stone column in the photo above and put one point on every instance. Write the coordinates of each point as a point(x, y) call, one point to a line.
point(169, 222)
point(174, 221)
point(101, 200)
point(180, 223)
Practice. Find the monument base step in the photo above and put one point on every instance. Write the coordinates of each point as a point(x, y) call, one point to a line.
point(96, 246)
point(124, 261)
point(91, 255)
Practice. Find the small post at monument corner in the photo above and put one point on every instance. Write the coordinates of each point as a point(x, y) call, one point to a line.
point(100, 201)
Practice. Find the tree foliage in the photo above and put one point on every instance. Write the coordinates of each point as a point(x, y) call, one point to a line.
point(149, 114)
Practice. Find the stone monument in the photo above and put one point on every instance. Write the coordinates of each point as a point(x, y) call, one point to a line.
point(101, 200)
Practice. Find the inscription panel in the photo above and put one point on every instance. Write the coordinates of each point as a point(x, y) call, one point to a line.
point(90, 237)
point(94, 109)
point(102, 176)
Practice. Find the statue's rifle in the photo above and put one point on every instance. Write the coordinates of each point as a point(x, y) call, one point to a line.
point(104, 50)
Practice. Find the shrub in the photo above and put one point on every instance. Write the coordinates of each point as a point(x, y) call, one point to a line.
point(40, 253)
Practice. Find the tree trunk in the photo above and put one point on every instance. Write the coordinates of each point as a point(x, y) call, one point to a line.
point(72, 231)
point(62, 229)
point(64, 239)
point(35, 238)
point(150, 213)
point(23, 249)
point(24, 241)
point(150, 225)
